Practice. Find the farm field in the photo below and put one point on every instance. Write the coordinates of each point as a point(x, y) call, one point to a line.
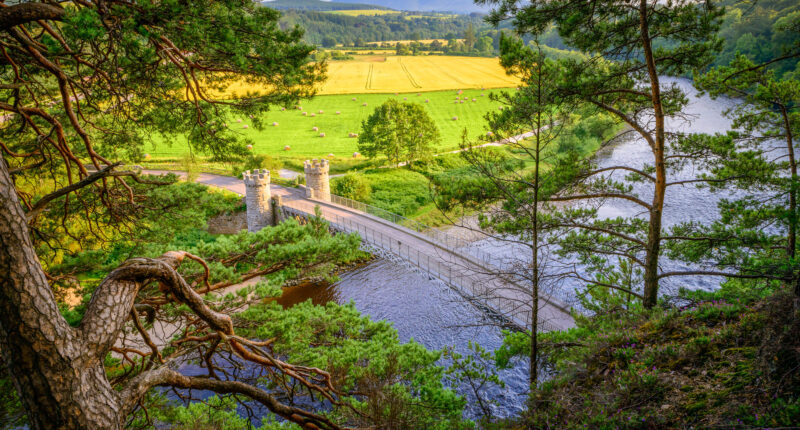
point(365, 12)
point(406, 42)
point(408, 74)
point(296, 130)
point(390, 74)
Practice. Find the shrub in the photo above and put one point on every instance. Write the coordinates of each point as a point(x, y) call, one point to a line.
point(352, 186)
point(257, 161)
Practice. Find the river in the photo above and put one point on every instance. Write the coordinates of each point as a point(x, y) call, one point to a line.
point(430, 313)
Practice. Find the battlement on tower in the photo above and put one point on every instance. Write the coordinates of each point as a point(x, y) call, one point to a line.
point(316, 166)
point(256, 178)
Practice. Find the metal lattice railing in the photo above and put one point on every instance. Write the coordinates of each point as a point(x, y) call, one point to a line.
point(437, 266)
point(442, 238)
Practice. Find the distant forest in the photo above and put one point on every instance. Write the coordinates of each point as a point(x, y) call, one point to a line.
point(350, 30)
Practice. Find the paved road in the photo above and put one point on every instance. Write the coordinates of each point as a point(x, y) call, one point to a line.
point(475, 278)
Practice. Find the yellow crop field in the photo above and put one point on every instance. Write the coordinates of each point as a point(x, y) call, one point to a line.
point(365, 12)
point(406, 42)
point(410, 74)
point(400, 74)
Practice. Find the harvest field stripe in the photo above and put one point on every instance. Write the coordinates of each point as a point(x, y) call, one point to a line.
point(410, 76)
point(369, 76)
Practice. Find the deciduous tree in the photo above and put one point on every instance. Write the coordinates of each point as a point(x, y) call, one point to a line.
point(402, 131)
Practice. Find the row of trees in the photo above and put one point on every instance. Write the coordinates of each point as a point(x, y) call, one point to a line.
point(359, 30)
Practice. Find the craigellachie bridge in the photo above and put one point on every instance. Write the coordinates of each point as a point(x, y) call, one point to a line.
point(439, 254)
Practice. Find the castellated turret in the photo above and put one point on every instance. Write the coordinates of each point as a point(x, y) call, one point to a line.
point(257, 198)
point(318, 184)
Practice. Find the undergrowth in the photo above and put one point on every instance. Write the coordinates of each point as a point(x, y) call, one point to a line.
point(725, 359)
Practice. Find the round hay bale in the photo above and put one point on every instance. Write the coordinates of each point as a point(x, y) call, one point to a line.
point(338, 113)
point(315, 128)
point(321, 111)
point(244, 126)
point(354, 99)
point(356, 154)
point(426, 100)
point(364, 104)
point(474, 100)
point(462, 102)
point(322, 135)
point(287, 148)
point(419, 94)
point(313, 115)
point(455, 118)
point(274, 124)
point(283, 109)
point(249, 147)
point(238, 120)
point(305, 113)
point(331, 155)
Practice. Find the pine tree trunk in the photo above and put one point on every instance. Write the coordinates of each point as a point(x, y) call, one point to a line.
point(61, 382)
point(660, 187)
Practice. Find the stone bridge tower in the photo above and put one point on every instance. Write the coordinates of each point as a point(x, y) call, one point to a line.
point(318, 183)
point(257, 199)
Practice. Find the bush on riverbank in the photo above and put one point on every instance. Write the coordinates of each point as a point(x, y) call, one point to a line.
point(723, 359)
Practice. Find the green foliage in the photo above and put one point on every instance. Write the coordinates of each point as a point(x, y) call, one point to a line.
point(704, 364)
point(213, 413)
point(761, 31)
point(400, 131)
point(352, 186)
point(400, 384)
point(349, 29)
point(401, 191)
point(162, 214)
point(475, 373)
point(757, 231)
point(257, 161)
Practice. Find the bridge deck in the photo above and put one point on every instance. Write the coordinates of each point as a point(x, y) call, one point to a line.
point(473, 277)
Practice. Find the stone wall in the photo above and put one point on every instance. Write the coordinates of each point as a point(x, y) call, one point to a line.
point(228, 224)
point(318, 184)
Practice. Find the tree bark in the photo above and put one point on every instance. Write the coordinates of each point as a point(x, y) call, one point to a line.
point(62, 383)
point(22, 13)
point(653, 248)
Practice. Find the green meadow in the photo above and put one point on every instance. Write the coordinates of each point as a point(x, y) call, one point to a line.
point(296, 130)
